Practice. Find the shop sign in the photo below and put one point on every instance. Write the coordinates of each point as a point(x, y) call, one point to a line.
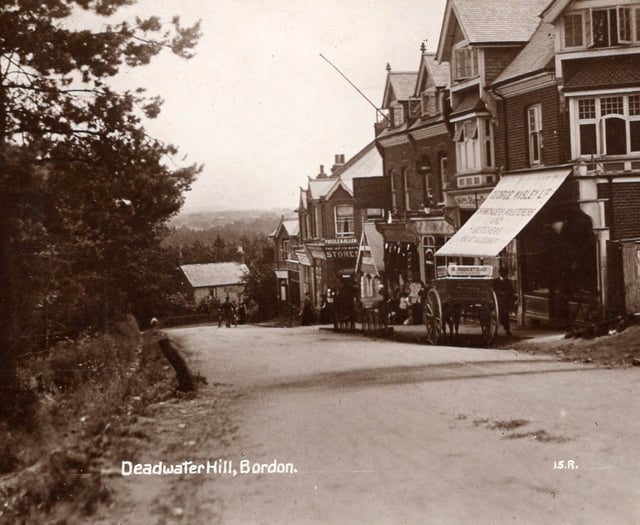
point(514, 201)
point(341, 252)
point(341, 242)
point(470, 202)
point(459, 270)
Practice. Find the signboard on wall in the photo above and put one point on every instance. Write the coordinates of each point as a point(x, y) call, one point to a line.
point(371, 192)
point(470, 202)
point(514, 201)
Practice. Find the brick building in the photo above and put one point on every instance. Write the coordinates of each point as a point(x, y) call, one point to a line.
point(564, 125)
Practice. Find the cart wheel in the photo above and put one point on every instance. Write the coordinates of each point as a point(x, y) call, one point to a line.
point(433, 316)
point(490, 323)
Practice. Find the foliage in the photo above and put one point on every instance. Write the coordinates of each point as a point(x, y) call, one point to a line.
point(89, 393)
point(85, 191)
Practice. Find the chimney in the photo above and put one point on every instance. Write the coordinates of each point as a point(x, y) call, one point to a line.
point(322, 174)
point(338, 162)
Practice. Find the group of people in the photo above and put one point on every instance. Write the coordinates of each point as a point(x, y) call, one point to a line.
point(231, 314)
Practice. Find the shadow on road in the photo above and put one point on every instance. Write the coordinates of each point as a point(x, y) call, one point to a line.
point(398, 375)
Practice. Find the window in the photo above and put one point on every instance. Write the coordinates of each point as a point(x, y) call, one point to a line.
point(429, 247)
point(285, 250)
point(474, 145)
point(609, 125)
point(429, 103)
point(573, 30)
point(466, 62)
point(407, 191)
point(375, 213)
point(488, 143)
point(443, 177)
point(394, 197)
point(534, 128)
point(344, 220)
point(602, 27)
point(398, 115)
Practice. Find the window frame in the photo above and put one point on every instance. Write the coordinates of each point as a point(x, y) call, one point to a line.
point(429, 103)
point(469, 67)
point(535, 133)
point(580, 14)
point(285, 250)
point(600, 120)
point(405, 186)
point(398, 115)
point(627, 20)
point(475, 147)
point(350, 220)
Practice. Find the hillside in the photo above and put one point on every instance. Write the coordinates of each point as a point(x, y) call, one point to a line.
point(263, 220)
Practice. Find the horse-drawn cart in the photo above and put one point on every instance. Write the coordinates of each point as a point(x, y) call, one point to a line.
point(461, 292)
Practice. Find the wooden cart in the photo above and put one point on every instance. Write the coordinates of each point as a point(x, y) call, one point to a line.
point(461, 292)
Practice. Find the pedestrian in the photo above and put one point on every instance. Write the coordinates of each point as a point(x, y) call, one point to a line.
point(227, 311)
point(242, 313)
point(505, 295)
point(307, 311)
point(324, 309)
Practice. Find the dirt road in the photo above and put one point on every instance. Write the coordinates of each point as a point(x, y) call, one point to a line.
point(379, 432)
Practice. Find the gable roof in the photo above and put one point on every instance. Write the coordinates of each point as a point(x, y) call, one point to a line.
point(431, 68)
point(366, 163)
point(318, 188)
point(291, 226)
point(538, 55)
point(490, 21)
point(554, 10)
point(400, 86)
point(214, 274)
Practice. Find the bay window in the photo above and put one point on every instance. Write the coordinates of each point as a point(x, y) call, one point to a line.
point(608, 125)
point(344, 220)
point(474, 145)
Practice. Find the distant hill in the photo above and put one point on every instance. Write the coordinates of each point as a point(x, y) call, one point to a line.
point(262, 221)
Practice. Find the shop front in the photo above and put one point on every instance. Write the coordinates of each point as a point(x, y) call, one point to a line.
point(329, 259)
point(534, 224)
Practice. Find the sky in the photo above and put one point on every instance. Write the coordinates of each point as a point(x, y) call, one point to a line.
point(258, 106)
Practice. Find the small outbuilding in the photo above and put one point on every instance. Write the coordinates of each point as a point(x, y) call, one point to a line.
point(214, 280)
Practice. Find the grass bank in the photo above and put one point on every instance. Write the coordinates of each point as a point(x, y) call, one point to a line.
point(73, 415)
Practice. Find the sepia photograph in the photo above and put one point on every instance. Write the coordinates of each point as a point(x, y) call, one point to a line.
point(339, 262)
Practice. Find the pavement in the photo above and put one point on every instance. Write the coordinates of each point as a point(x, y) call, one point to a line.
point(469, 335)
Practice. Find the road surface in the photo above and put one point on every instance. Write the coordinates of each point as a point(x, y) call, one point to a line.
point(373, 431)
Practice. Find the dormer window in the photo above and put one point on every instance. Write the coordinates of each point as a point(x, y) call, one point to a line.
point(602, 27)
point(465, 61)
point(397, 114)
point(429, 103)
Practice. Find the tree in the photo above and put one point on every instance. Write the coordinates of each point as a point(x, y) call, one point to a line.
point(78, 146)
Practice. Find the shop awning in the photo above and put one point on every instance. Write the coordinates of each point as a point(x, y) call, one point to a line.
point(397, 233)
point(514, 201)
point(371, 254)
point(282, 274)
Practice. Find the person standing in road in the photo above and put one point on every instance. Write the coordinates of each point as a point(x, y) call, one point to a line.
point(505, 295)
point(227, 311)
point(307, 311)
